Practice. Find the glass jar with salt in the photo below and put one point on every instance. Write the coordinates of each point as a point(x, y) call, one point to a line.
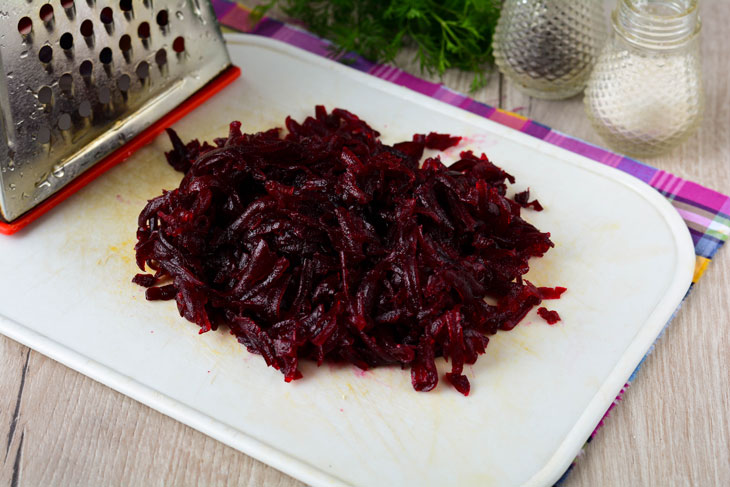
point(645, 94)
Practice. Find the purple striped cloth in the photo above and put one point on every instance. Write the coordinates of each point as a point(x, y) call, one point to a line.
point(706, 212)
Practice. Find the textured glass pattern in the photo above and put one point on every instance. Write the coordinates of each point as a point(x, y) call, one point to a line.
point(548, 47)
point(643, 103)
point(644, 98)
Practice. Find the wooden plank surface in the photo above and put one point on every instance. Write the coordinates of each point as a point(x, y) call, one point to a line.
point(60, 428)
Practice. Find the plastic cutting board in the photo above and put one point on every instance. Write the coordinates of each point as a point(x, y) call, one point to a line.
point(621, 250)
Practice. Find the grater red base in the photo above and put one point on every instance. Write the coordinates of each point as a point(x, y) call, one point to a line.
point(119, 155)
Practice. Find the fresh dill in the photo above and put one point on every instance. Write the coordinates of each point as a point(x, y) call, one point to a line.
point(445, 34)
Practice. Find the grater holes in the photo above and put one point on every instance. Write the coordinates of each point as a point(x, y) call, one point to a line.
point(25, 26)
point(66, 41)
point(106, 16)
point(66, 83)
point(125, 5)
point(123, 83)
point(143, 70)
point(161, 60)
point(69, 7)
point(161, 57)
point(178, 45)
point(162, 18)
point(45, 95)
point(45, 54)
point(105, 56)
point(143, 31)
point(125, 43)
point(84, 109)
point(105, 95)
point(70, 84)
point(46, 13)
point(44, 134)
point(85, 69)
point(87, 28)
point(64, 121)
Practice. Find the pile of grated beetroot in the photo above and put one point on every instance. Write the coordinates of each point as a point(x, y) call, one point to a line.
point(329, 245)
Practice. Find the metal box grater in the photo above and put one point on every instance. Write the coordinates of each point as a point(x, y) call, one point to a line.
point(80, 78)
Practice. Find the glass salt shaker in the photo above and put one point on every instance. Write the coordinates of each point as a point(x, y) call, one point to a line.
point(548, 47)
point(645, 94)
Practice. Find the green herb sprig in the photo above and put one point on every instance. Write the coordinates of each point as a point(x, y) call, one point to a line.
point(446, 34)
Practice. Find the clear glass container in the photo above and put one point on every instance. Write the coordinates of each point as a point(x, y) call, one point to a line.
point(548, 47)
point(645, 95)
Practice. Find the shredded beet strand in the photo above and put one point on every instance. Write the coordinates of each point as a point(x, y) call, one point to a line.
point(144, 280)
point(328, 245)
point(551, 292)
point(523, 199)
point(551, 317)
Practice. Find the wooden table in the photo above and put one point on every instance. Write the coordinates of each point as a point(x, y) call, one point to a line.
point(60, 428)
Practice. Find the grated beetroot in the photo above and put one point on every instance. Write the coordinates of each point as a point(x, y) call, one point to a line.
point(551, 292)
point(523, 198)
point(329, 245)
point(551, 317)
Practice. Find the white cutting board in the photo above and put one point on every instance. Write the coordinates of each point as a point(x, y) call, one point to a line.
point(621, 250)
